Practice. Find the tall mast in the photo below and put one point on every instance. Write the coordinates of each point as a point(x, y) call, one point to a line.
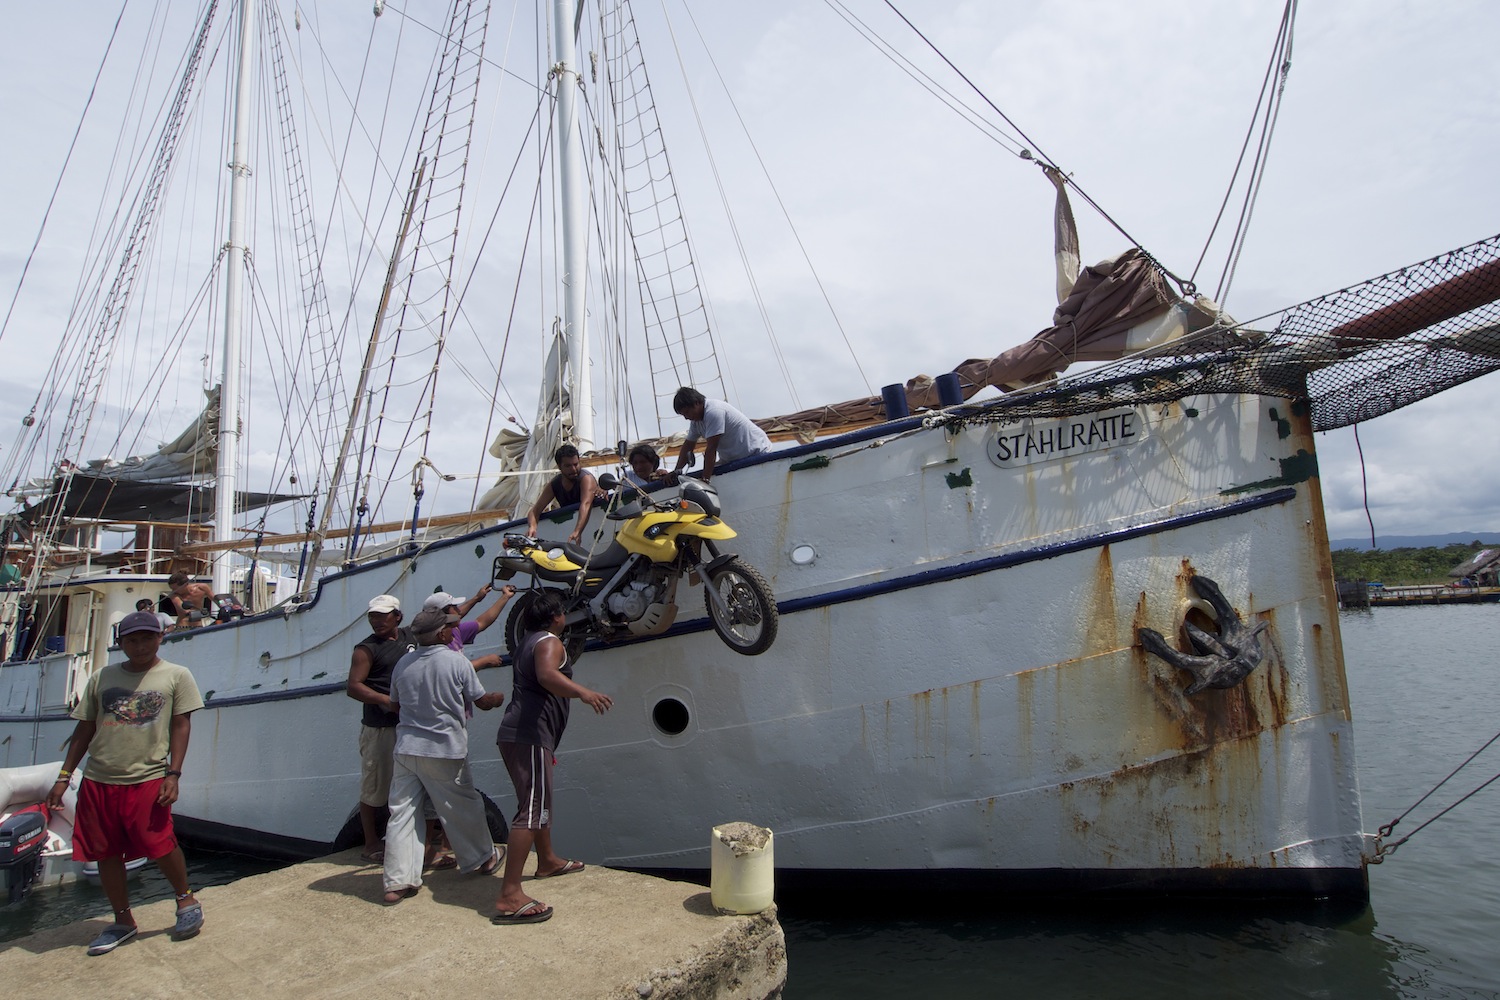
point(238, 251)
point(574, 218)
point(357, 402)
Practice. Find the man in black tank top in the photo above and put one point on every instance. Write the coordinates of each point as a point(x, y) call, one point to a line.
point(570, 486)
point(370, 684)
point(528, 736)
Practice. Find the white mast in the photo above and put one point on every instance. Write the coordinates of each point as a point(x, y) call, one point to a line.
point(574, 218)
point(238, 251)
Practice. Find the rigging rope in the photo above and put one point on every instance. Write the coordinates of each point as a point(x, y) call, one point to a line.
point(309, 250)
point(450, 118)
point(927, 82)
point(654, 225)
point(1281, 66)
point(1364, 484)
point(102, 341)
point(1385, 849)
point(67, 159)
point(1279, 54)
point(1033, 150)
point(739, 241)
point(786, 214)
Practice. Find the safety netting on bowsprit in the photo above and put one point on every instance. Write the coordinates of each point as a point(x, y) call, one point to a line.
point(1354, 354)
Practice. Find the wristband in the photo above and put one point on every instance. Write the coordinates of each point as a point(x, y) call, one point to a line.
point(174, 774)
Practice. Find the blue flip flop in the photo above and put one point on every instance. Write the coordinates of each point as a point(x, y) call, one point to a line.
point(113, 936)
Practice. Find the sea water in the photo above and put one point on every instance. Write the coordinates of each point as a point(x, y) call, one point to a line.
point(1425, 691)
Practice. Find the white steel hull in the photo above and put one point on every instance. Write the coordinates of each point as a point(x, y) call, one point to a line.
point(957, 688)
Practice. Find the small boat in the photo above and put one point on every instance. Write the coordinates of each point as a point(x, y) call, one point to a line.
point(36, 842)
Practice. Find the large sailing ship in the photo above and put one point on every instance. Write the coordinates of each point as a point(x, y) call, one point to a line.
point(1079, 634)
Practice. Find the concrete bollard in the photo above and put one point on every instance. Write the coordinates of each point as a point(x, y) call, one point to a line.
point(742, 868)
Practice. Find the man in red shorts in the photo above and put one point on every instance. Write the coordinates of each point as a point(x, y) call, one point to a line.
point(133, 723)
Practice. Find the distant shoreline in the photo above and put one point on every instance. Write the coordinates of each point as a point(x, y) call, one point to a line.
point(1388, 542)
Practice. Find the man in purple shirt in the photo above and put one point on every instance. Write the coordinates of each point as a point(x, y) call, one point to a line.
point(464, 633)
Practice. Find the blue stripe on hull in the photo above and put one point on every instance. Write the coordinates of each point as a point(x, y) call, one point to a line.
point(925, 578)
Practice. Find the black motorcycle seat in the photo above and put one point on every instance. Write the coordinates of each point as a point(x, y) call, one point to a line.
point(613, 555)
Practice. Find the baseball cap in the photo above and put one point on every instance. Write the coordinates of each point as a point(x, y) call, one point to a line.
point(138, 621)
point(384, 604)
point(431, 620)
point(442, 599)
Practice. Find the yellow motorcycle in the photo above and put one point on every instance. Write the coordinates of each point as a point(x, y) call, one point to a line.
point(629, 588)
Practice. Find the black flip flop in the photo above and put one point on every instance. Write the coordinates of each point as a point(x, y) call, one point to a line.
point(533, 912)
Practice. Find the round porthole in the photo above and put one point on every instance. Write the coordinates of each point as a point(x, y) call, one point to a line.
point(803, 555)
point(670, 716)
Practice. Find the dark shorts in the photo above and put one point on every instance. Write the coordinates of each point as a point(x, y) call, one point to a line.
point(530, 768)
point(121, 821)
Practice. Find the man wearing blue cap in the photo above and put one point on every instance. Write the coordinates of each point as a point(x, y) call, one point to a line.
point(133, 722)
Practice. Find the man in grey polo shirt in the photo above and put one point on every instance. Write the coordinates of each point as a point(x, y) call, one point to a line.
point(433, 690)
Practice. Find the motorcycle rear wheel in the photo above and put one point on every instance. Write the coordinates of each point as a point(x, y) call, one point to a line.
point(515, 632)
point(747, 620)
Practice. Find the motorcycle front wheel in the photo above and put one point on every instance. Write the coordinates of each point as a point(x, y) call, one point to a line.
point(744, 614)
point(515, 631)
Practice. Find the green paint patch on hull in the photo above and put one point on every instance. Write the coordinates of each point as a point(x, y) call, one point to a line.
point(1283, 425)
point(1298, 468)
point(816, 462)
point(958, 480)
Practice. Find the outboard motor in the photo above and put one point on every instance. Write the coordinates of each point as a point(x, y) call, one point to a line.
point(22, 837)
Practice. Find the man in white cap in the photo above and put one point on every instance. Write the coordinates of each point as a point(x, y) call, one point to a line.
point(133, 722)
point(435, 690)
point(464, 632)
point(370, 684)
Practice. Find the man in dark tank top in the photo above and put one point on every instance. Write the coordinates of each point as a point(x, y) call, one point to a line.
point(529, 733)
point(571, 485)
point(370, 684)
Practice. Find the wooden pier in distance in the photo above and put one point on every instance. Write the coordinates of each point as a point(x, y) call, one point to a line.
point(1436, 593)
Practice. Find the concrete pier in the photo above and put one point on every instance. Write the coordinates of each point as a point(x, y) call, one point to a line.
point(317, 929)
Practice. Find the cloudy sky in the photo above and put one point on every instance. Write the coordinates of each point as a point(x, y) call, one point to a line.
point(931, 240)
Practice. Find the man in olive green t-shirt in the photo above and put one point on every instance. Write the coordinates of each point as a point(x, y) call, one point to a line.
point(133, 722)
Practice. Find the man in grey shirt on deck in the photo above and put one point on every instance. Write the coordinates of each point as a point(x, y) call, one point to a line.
point(433, 689)
point(726, 433)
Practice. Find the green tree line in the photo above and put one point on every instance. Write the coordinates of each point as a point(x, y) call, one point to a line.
point(1406, 565)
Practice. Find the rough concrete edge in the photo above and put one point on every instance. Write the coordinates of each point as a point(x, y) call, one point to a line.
point(747, 961)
